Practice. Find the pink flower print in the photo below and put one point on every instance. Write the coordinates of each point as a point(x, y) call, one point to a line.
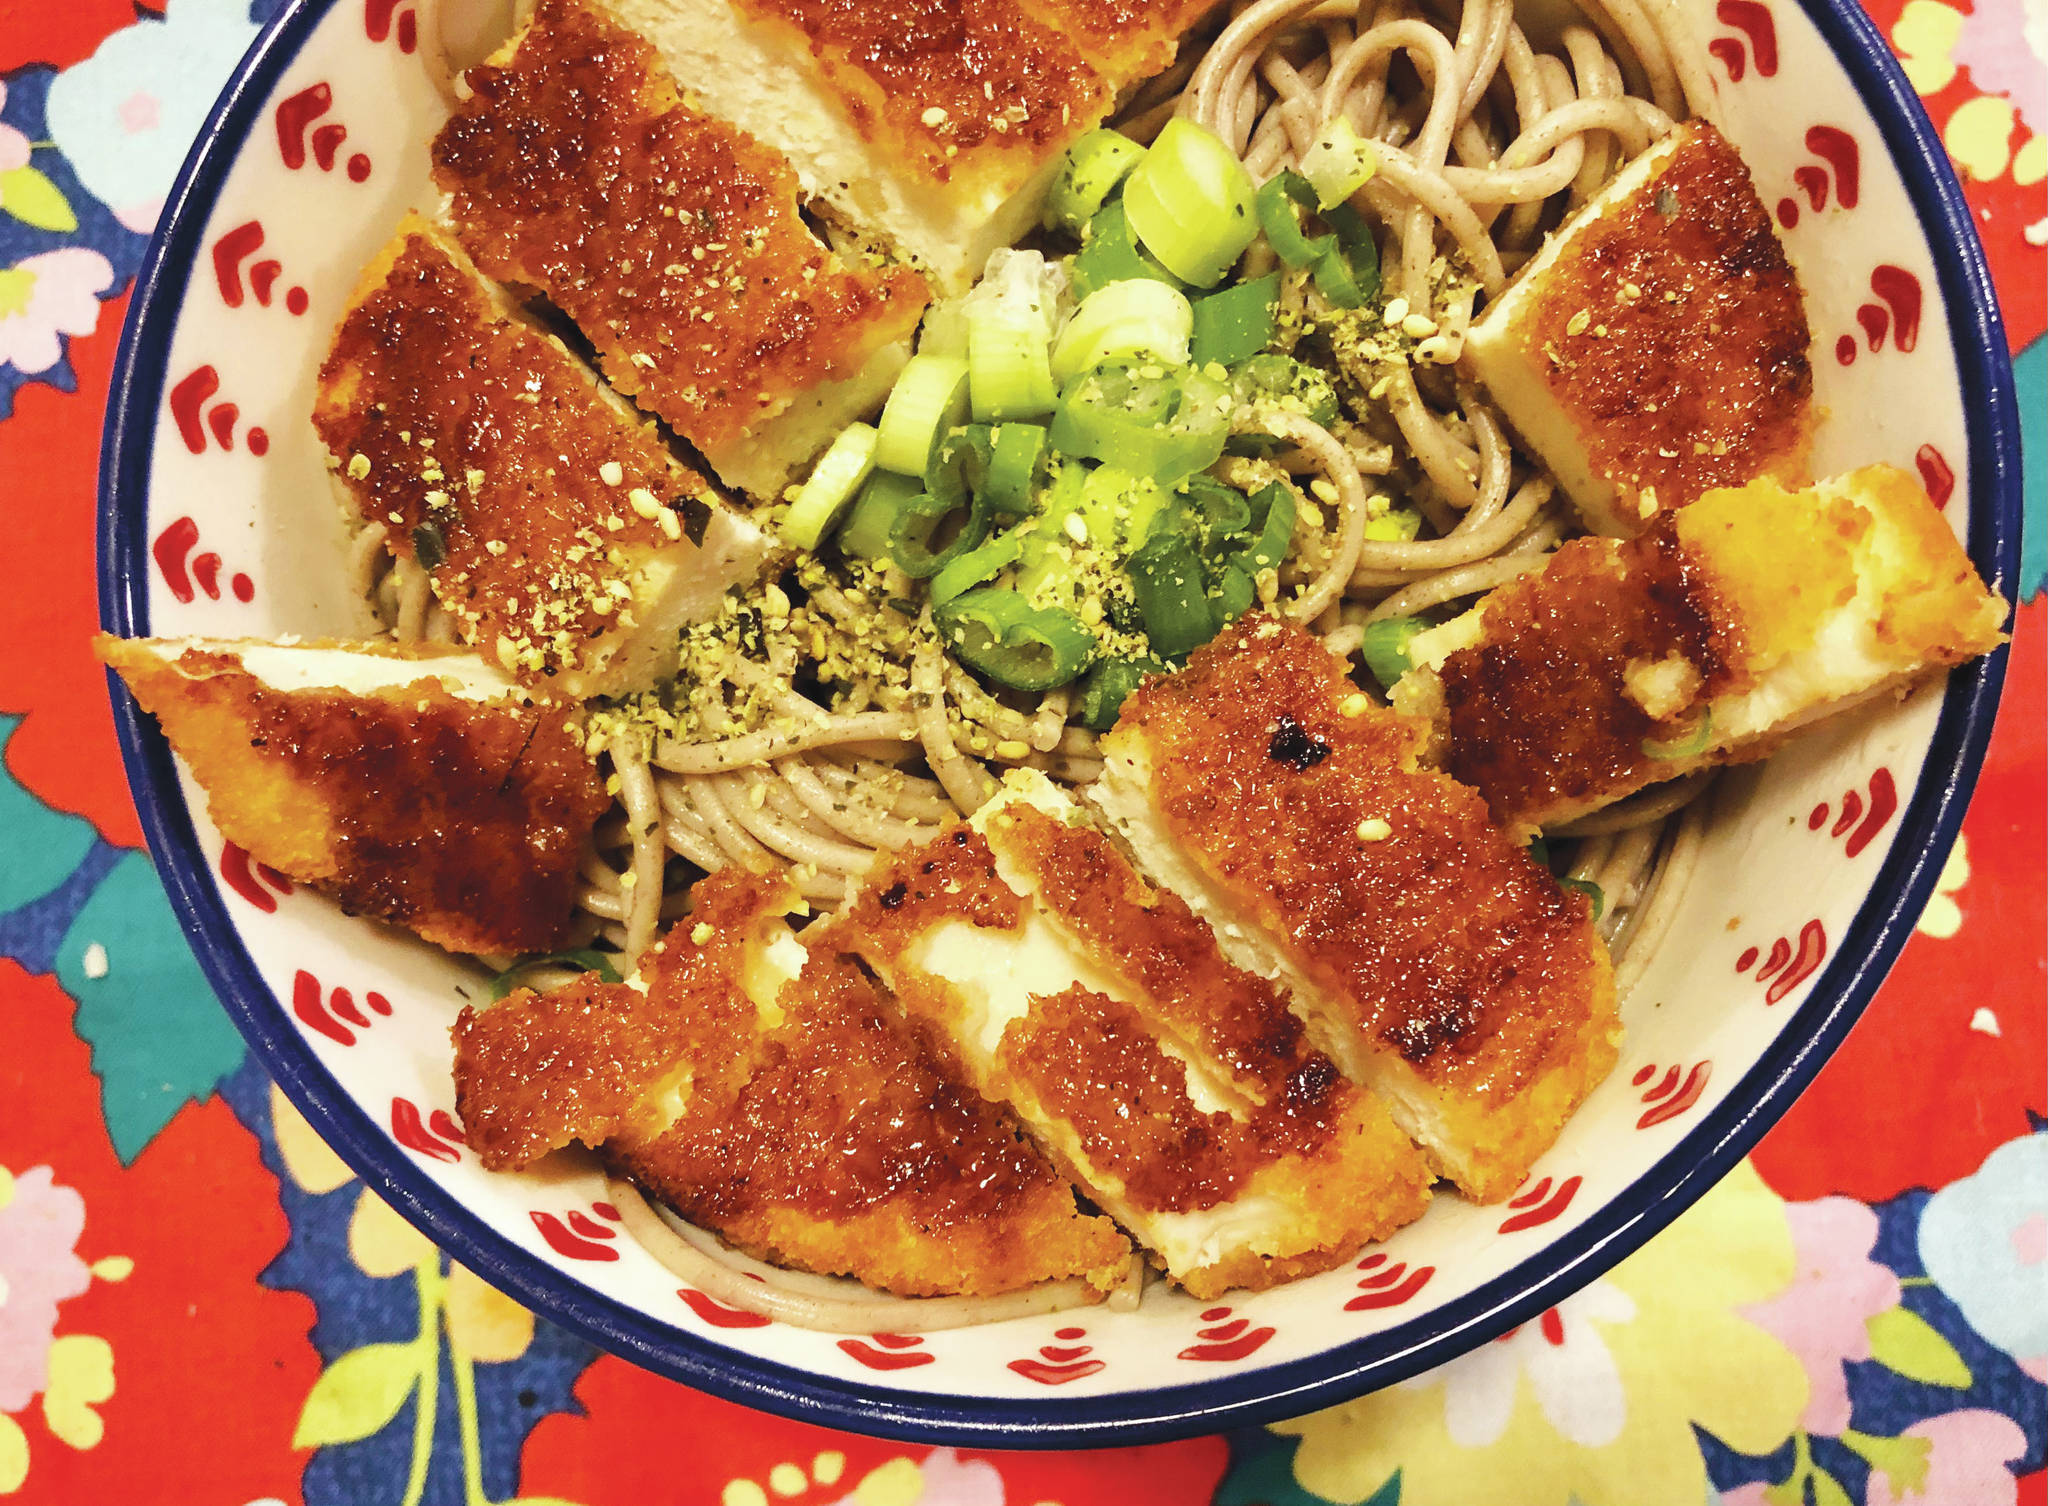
point(42, 297)
point(1836, 1289)
point(1966, 1463)
point(39, 1227)
point(14, 147)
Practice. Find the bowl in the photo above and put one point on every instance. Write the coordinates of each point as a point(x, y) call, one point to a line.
point(216, 518)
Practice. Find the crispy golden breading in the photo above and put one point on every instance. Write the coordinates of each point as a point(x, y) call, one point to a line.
point(931, 125)
point(1656, 348)
point(676, 244)
point(1434, 959)
point(1749, 614)
point(557, 529)
point(416, 786)
point(1176, 1090)
point(1125, 41)
point(801, 1121)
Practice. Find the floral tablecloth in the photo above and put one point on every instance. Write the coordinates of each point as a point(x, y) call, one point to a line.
point(199, 1303)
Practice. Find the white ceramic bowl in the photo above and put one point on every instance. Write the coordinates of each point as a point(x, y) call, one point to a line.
point(216, 518)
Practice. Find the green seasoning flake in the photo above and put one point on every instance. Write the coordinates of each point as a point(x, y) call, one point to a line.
point(429, 547)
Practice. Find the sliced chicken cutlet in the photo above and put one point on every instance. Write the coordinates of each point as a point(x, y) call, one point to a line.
point(932, 125)
point(1753, 612)
point(675, 243)
point(1176, 1090)
point(566, 541)
point(1656, 347)
point(419, 786)
point(1431, 957)
point(777, 1100)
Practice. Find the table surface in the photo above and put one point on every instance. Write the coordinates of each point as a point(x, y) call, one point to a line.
point(199, 1303)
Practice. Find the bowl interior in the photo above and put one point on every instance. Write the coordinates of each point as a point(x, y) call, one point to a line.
point(218, 519)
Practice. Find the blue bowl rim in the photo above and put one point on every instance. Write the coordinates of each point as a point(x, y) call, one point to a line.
point(1928, 826)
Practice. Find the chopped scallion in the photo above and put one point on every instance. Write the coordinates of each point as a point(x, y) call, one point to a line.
point(1137, 318)
point(1108, 684)
point(833, 482)
point(1088, 175)
point(1235, 323)
point(867, 529)
point(1395, 526)
point(1338, 163)
point(977, 565)
point(1166, 579)
point(1016, 465)
point(1385, 647)
point(1190, 203)
point(929, 398)
point(1110, 253)
point(1009, 371)
point(999, 634)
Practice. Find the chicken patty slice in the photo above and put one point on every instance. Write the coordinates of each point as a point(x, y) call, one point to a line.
point(1657, 346)
point(1431, 957)
point(1752, 613)
point(675, 242)
point(420, 786)
point(556, 528)
point(1176, 1090)
point(779, 1100)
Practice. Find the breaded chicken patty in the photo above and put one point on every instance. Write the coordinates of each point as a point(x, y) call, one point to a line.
point(1433, 959)
point(1656, 347)
point(1752, 613)
point(560, 533)
point(675, 242)
point(1175, 1089)
point(778, 1100)
point(418, 786)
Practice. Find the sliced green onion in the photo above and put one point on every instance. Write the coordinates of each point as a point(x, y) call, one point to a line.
point(1539, 852)
point(1692, 745)
point(1396, 526)
point(929, 398)
point(1190, 203)
point(1272, 509)
point(1281, 201)
point(1385, 647)
point(832, 484)
point(925, 518)
point(1138, 318)
point(977, 565)
point(1089, 173)
point(1338, 163)
point(959, 465)
point(1591, 890)
point(1233, 594)
point(586, 959)
point(1009, 372)
point(1110, 253)
point(1166, 428)
point(1236, 323)
point(1166, 579)
point(875, 510)
point(999, 634)
point(1108, 684)
point(1016, 466)
point(1224, 511)
point(1337, 281)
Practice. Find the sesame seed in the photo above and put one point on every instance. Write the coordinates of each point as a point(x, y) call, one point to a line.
point(358, 466)
point(1355, 704)
point(1418, 326)
point(611, 473)
point(700, 933)
point(1373, 829)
